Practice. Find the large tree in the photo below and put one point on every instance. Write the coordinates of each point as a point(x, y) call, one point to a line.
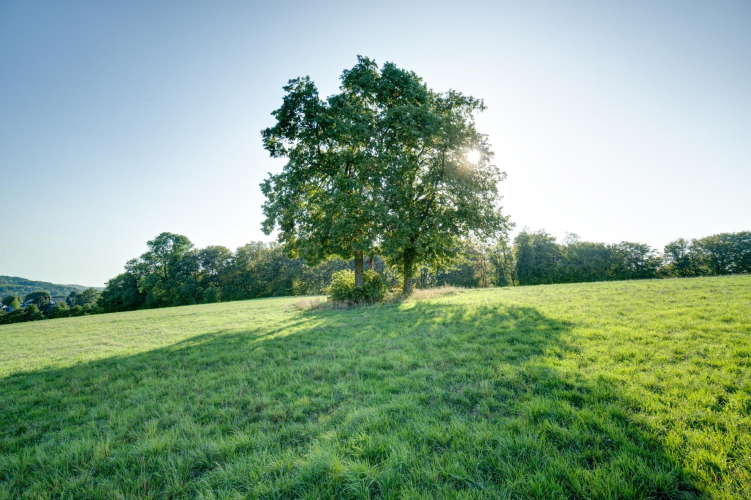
point(437, 180)
point(322, 201)
point(387, 163)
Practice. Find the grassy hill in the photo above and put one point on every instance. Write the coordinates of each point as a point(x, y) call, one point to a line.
point(599, 390)
point(12, 285)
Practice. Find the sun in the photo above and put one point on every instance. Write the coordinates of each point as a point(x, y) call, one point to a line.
point(473, 156)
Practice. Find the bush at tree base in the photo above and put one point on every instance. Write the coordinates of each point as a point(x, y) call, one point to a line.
point(342, 288)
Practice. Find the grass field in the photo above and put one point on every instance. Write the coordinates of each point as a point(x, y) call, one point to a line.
point(600, 390)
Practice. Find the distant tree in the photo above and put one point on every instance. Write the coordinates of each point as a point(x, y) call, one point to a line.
point(165, 251)
point(483, 270)
point(634, 261)
point(122, 294)
point(59, 310)
point(538, 258)
point(726, 253)
point(166, 271)
point(584, 261)
point(460, 271)
point(742, 252)
point(213, 262)
point(87, 298)
point(681, 258)
point(501, 257)
point(13, 301)
point(32, 313)
point(322, 202)
point(40, 299)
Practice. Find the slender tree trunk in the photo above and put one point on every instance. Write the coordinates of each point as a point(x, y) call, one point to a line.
point(359, 280)
point(409, 271)
point(370, 262)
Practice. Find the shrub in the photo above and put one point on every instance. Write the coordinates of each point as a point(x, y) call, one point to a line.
point(32, 313)
point(342, 288)
point(374, 288)
point(59, 310)
point(76, 311)
point(16, 316)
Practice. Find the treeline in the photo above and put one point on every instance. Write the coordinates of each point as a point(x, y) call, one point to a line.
point(173, 272)
point(537, 258)
point(40, 305)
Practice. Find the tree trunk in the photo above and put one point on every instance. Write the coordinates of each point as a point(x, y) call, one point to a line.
point(409, 271)
point(370, 262)
point(359, 280)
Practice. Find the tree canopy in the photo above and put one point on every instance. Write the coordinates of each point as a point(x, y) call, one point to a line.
point(384, 166)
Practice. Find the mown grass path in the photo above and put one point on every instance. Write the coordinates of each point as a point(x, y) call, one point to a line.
point(601, 390)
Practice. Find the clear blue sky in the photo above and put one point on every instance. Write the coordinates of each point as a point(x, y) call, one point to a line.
point(614, 120)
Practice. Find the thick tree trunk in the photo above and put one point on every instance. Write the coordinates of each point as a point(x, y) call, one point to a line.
point(409, 272)
point(359, 269)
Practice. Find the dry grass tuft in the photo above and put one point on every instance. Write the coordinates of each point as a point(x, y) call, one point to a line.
point(321, 303)
point(310, 303)
point(434, 293)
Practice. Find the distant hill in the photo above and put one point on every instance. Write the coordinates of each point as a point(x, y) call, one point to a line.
point(12, 285)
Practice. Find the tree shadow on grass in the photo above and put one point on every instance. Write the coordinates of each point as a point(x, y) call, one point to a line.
point(415, 400)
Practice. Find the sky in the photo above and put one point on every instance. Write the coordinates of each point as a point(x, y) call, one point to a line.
point(120, 120)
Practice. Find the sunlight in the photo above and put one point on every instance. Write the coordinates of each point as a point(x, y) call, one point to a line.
point(473, 156)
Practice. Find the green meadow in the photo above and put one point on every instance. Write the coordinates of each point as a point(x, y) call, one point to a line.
point(637, 389)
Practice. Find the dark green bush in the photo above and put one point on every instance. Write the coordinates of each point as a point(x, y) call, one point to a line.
point(41, 299)
point(32, 313)
point(59, 310)
point(342, 288)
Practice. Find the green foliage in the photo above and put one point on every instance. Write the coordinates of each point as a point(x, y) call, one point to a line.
point(87, 298)
point(12, 301)
point(174, 273)
point(374, 288)
point(342, 286)
point(17, 316)
point(122, 294)
point(343, 289)
point(40, 299)
point(32, 313)
point(77, 311)
point(211, 295)
point(59, 310)
point(381, 164)
point(322, 202)
point(719, 254)
point(538, 258)
point(627, 390)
